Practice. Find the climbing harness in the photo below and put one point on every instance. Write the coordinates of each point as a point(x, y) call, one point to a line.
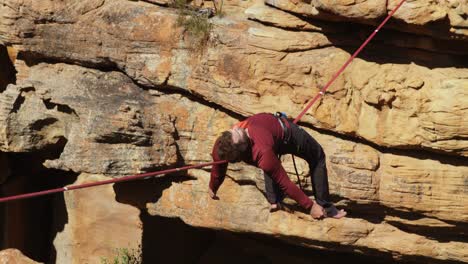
point(282, 120)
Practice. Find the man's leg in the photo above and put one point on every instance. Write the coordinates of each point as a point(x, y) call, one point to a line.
point(306, 147)
point(319, 174)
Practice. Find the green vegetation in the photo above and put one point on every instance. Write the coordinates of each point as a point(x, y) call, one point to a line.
point(125, 256)
point(196, 21)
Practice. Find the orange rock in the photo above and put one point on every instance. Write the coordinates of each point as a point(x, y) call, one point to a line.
point(14, 256)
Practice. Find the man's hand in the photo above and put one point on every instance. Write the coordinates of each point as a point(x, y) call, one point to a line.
point(212, 194)
point(317, 211)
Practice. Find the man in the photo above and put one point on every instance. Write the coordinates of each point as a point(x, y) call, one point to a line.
point(258, 141)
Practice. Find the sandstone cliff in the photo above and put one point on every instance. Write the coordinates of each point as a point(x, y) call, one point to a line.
point(117, 88)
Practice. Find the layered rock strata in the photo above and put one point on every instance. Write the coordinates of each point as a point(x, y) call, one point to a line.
point(121, 87)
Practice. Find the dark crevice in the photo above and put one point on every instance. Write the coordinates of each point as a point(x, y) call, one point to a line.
point(171, 240)
point(197, 98)
point(442, 234)
point(32, 224)
point(375, 213)
point(440, 28)
point(377, 51)
point(21, 98)
point(17, 104)
point(291, 29)
point(27, 89)
point(49, 21)
point(243, 182)
point(32, 58)
point(379, 105)
point(349, 36)
point(458, 137)
point(165, 240)
point(60, 107)
point(180, 157)
point(41, 123)
point(124, 138)
point(293, 51)
point(348, 252)
point(7, 70)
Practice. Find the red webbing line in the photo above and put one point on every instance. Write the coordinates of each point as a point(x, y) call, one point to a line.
point(139, 176)
point(91, 184)
point(322, 91)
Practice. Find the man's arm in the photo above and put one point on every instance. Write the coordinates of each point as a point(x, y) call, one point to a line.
point(271, 165)
point(218, 172)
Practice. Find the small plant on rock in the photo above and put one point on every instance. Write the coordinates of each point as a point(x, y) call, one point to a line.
point(195, 21)
point(125, 256)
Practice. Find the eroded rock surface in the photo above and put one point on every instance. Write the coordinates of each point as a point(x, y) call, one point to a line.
point(14, 256)
point(108, 224)
point(252, 68)
point(96, 114)
point(121, 89)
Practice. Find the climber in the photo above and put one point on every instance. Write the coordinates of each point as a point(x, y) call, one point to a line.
point(258, 141)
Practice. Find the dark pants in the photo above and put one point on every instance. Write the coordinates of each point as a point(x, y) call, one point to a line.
point(302, 145)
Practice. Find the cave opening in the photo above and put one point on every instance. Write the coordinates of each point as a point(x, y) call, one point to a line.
point(30, 225)
point(170, 240)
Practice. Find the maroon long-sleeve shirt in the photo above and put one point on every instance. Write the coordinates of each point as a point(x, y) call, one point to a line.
point(265, 135)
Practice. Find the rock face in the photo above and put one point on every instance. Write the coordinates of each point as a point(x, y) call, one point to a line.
point(415, 13)
point(234, 212)
point(120, 88)
point(14, 256)
point(124, 125)
point(111, 225)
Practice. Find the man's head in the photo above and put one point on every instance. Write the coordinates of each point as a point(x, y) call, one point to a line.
point(232, 144)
